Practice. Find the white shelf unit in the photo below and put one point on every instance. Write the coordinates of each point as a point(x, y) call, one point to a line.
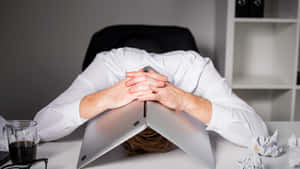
point(261, 57)
point(263, 54)
point(264, 20)
point(297, 109)
point(281, 9)
point(270, 104)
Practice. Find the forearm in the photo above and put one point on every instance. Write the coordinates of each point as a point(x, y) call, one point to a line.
point(93, 104)
point(197, 107)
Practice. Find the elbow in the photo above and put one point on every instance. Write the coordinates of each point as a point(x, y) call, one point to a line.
point(238, 134)
point(248, 127)
point(237, 125)
point(53, 135)
point(51, 125)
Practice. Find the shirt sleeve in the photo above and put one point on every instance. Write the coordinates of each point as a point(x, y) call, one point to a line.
point(232, 118)
point(61, 116)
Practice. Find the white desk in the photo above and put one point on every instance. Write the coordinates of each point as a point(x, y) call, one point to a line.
point(63, 154)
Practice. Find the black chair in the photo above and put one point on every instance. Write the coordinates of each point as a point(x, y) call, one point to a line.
point(158, 39)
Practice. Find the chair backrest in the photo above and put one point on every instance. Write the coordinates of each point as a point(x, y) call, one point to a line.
point(158, 39)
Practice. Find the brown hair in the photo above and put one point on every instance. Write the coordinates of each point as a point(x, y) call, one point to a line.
point(147, 141)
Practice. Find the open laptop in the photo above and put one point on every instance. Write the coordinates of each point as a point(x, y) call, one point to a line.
point(110, 129)
point(184, 131)
point(114, 127)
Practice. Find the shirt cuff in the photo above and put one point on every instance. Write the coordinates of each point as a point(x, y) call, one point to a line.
point(71, 113)
point(77, 119)
point(218, 117)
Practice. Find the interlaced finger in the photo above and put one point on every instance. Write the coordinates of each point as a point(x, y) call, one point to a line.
point(148, 97)
point(141, 87)
point(151, 74)
point(145, 80)
point(157, 76)
point(142, 93)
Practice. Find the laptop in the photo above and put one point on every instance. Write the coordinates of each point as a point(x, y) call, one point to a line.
point(112, 128)
point(184, 131)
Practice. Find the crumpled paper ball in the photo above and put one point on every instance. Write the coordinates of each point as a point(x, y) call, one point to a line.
point(293, 141)
point(251, 161)
point(294, 157)
point(267, 146)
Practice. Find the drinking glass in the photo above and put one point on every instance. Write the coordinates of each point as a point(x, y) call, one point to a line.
point(22, 137)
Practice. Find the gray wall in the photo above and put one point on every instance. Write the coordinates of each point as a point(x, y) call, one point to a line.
point(42, 43)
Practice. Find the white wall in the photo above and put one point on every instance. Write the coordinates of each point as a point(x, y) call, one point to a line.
point(42, 43)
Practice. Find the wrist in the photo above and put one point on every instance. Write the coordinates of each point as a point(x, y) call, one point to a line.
point(187, 101)
point(198, 107)
point(103, 100)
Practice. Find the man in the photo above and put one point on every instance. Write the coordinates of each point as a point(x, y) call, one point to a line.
point(184, 81)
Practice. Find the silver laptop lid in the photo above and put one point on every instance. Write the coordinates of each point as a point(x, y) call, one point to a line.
point(110, 129)
point(183, 130)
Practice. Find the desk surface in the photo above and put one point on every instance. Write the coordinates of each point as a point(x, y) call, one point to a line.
point(63, 154)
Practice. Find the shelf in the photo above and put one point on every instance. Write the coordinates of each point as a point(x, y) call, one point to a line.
point(259, 82)
point(297, 106)
point(271, 105)
point(264, 55)
point(264, 20)
point(280, 8)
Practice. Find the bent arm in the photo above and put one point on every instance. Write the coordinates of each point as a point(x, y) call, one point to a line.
point(228, 115)
point(62, 116)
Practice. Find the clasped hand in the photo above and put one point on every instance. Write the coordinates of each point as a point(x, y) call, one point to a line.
point(148, 86)
point(145, 86)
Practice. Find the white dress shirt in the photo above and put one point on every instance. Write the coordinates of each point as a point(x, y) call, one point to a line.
point(231, 118)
